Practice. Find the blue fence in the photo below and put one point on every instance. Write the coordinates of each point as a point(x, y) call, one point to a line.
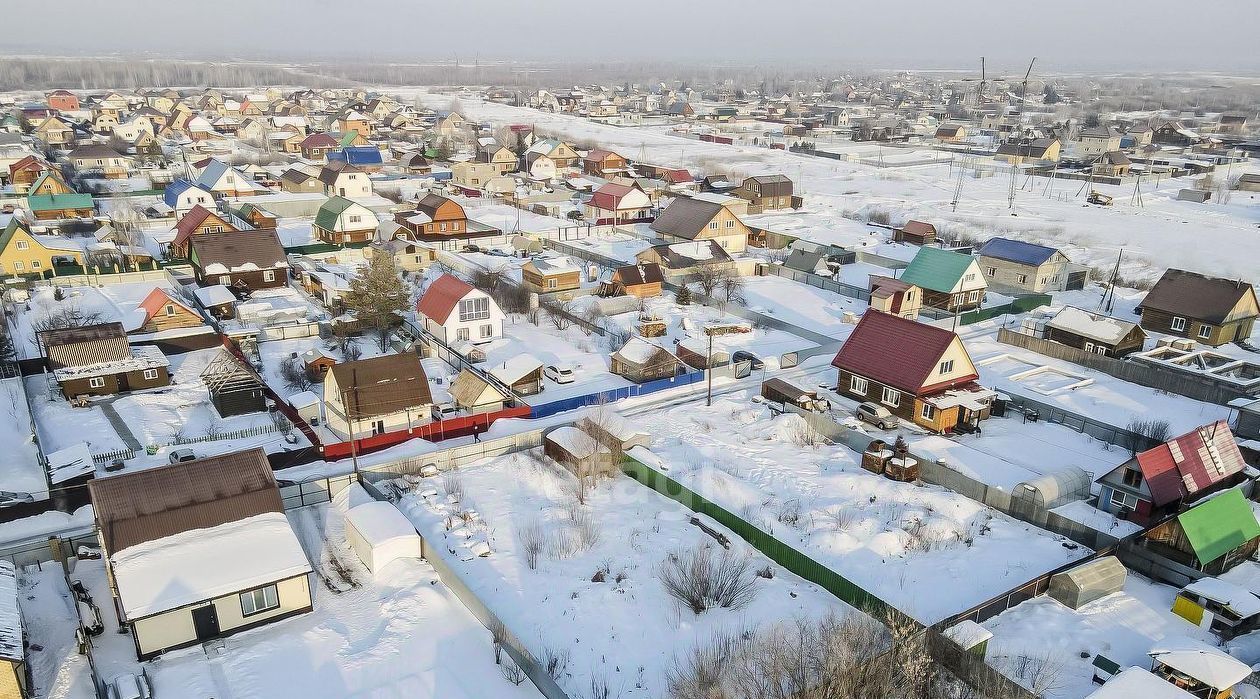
point(615, 394)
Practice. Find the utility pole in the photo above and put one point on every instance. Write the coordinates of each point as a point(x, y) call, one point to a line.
point(708, 400)
point(345, 404)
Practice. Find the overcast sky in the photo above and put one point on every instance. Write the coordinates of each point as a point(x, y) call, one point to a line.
point(1065, 35)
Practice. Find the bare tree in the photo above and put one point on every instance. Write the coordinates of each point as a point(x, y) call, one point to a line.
point(708, 278)
point(294, 374)
point(532, 541)
point(701, 578)
point(730, 286)
point(559, 312)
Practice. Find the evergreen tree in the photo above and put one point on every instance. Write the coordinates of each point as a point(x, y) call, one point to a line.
point(377, 296)
point(683, 295)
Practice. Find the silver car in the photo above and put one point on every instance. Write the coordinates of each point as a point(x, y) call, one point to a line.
point(877, 415)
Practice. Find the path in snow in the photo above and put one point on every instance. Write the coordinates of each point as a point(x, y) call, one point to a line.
point(120, 426)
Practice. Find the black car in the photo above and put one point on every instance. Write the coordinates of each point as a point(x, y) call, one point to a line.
point(744, 356)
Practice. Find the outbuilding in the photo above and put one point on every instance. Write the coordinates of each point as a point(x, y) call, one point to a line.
point(380, 534)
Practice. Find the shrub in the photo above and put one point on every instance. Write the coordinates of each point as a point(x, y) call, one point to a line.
point(701, 579)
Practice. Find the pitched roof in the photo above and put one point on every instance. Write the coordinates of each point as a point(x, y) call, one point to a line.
point(154, 503)
point(1091, 325)
point(1188, 464)
point(1017, 251)
point(895, 351)
point(190, 221)
point(609, 196)
point(430, 204)
point(382, 385)
point(936, 269)
point(57, 202)
point(85, 346)
point(919, 228)
point(643, 273)
point(330, 172)
point(686, 217)
point(157, 300)
point(326, 217)
point(1195, 295)
point(442, 296)
point(319, 140)
point(236, 249)
point(1219, 525)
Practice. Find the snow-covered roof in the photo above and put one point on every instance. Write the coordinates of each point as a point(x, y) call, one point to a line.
point(1092, 325)
point(70, 462)
point(1139, 682)
point(202, 564)
point(576, 442)
point(516, 368)
point(215, 295)
point(1240, 600)
point(637, 350)
point(968, 634)
point(1197, 659)
point(11, 646)
point(379, 522)
point(142, 357)
point(561, 264)
point(694, 250)
point(303, 399)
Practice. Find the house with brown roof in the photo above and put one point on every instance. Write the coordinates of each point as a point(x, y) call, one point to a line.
point(441, 220)
point(100, 160)
point(454, 311)
point(96, 360)
point(916, 232)
point(199, 550)
point(951, 133)
point(895, 296)
point(615, 204)
point(643, 280)
point(24, 172)
point(63, 100)
point(1164, 479)
point(367, 397)
point(298, 181)
point(246, 260)
point(603, 163)
point(919, 372)
point(766, 193)
point(1029, 150)
point(317, 146)
point(341, 179)
point(198, 221)
point(688, 219)
point(1210, 310)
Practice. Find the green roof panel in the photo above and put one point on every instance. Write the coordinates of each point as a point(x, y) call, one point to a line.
point(326, 217)
point(55, 202)
point(936, 269)
point(1220, 525)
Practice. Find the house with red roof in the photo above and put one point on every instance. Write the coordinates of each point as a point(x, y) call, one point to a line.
point(454, 311)
point(1168, 477)
point(619, 203)
point(198, 221)
point(159, 311)
point(919, 372)
point(23, 173)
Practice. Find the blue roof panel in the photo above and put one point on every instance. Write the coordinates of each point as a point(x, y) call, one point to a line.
point(1017, 251)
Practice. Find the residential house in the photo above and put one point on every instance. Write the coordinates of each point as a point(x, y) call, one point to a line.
point(474, 394)
point(951, 133)
point(694, 219)
point(1213, 536)
point(559, 152)
point(1034, 150)
point(198, 221)
point(453, 311)
point(100, 161)
point(341, 221)
point(183, 195)
point(219, 178)
point(96, 360)
point(317, 146)
point(438, 219)
point(616, 204)
point(63, 100)
point(683, 257)
point(551, 274)
point(416, 163)
point(24, 172)
point(643, 280)
point(341, 179)
point(640, 360)
point(366, 158)
point(355, 122)
point(950, 281)
point(895, 296)
point(161, 311)
point(199, 550)
point(55, 132)
point(247, 260)
point(603, 163)
point(501, 158)
point(1089, 331)
point(1164, 479)
point(1112, 164)
point(766, 193)
point(473, 175)
point(919, 372)
point(1015, 266)
point(51, 200)
point(541, 167)
point(1210, 310)
point(298, 181)
point(808, 261)
point(1173, 133)
point(523, 374)
point(367, 397)
point(409, 255)
point(1096, 140)
point(22, 252)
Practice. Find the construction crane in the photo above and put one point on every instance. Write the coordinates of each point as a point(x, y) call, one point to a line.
point(983, 82)
point(1023, 90)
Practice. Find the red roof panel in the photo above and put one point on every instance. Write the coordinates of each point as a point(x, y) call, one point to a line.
point(896, 351)
point(442, 296)
point(1190, 463)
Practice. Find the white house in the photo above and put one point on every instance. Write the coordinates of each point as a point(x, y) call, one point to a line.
point(182, 196)
point(454, 311)
point(367, 397)
point(542, 167)
point(345, 180)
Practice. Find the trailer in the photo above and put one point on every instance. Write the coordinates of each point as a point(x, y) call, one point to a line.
point(782, 395)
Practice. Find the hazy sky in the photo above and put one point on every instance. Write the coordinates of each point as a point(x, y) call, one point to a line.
point(1065, 34)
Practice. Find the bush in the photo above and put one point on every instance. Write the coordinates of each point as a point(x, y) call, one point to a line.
point(702, 580)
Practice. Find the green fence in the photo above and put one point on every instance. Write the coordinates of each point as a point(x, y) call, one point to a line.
point(1022, 304)
point(316, 248)
point(775, 550)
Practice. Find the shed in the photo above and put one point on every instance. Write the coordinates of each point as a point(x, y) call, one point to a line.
point(640, 360)
point(234, 388)
point(1085, 583)
point(1221, 606)
point(306, 403)
point(614, 431)
point(475, 394)
point(1139, 682)
point(579, 452)
point(969, 635)
point(1053, 489)
point(69, 463)
point(522, 373)
point(380, 534)
point(1197, 667)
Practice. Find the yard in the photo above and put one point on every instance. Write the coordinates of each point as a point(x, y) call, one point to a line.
point(590, 595)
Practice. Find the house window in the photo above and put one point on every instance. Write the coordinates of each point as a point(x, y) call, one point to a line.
point(261, 600)
point(713, 225)
point(170, 309)
point(23, 245)
point(973, 296)
point(1100, 350)
point(150, 374)
point(1178, 323)
point(1205, 331)
point(474, 309)
point(927, 412)
point(487, 330)
point(1089, 347)
point(1023, 278)
point(269, 275)
point(1132, 477)
point(461, 334)
point(1125, 500)
point(442, 227)
point(96, 382)
point(730, 224)
point(355, 218)
point(551, 283)
point(857, 384)
point(947, 366)
point(19, 266)
point(35, 264)
point(991, 271)
point(891, 397)
point(225, 280)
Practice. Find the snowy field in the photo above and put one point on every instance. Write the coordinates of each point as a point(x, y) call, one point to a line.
point(928, 551)
point(625, 630)
point(1154, 235)
point(399, 635)
point(802, 305)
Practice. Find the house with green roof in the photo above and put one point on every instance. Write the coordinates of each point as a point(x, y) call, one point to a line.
point(52, 207)
point(951, 281)
point(341, 221)
point(1213, 536)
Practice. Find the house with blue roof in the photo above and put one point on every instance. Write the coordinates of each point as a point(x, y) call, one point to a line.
point(1016, 266)
point(182, 195)
point(367, 158)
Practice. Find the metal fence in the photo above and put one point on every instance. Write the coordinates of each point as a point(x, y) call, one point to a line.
point(312, 492)
point(815, 280)
point(616, 394)
point(41, 549)
point(1102, 431)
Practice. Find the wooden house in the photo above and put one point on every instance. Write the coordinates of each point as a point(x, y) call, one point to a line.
point(915, 232)
point(900, 298)
point(766, 193)
point(366, 397)
point(317, 146)
point(501, 158)
point(951, 133)
point(603, 163)
point(643, 281)
point(24, 172)
point(235, 388)
point(616, 204)
point(580, 453)
point(317, 363)
point(523, 374)
point(1162, 480)
point(474, 394)
point(1113, 163)
point(197, 222)
point(100, 160)
point(453, 311)
point(409, 255)
point(546, 275)
point(684, 257)
point(60, 206)
point(298, 181)
point(161, 311)
point(696, 219)
point(1029, 151)
point(96, 360)
point(1095, 332)
point(55, 132)
point(950, 281)
point(559, 152)
point(437, 218)
point(639, 360)
point(247, 260)
point(919, 372)
point(158, 527)
point(1021, 267)
point(23, 253)
point(1213, 536)
point(1209, 310)
point(341, 220)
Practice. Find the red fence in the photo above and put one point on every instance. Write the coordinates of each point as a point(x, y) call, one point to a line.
point(435, 431)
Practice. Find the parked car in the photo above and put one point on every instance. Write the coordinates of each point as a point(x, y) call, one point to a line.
point(560, 373)
point(744, 355)
point(129, 686)
point(876, 415)
point(181, 455)
point(471, 248)
point(443, 411)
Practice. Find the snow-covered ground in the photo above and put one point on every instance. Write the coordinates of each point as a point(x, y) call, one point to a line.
point(928, 551)
point(398, 634)
point(626, 630)
point(101, 304)
point(20, 468)
point(802, 305)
